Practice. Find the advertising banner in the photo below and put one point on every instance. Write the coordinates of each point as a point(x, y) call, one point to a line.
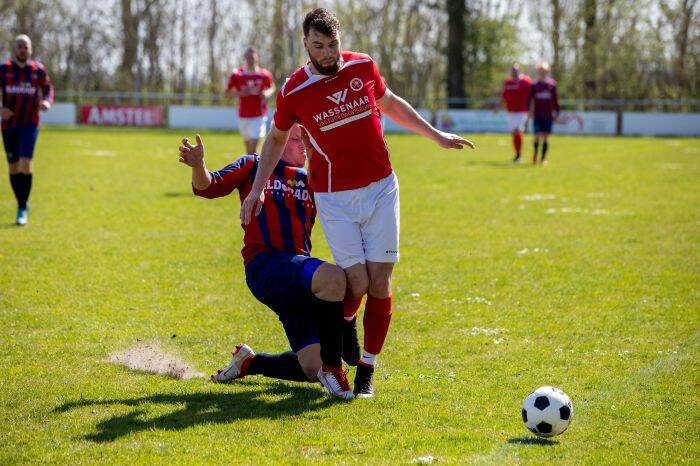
point(122, 115)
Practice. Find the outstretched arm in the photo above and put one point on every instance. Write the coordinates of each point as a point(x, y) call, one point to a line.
point(402, 113)
point(193, 157)
point(269, 157)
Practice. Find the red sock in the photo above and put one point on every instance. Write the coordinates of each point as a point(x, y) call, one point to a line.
point(350, 307)
point(518, 142)
point(376, 323)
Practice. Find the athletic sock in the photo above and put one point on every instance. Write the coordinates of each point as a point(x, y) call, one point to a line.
point(376, 323)
point(517, 143)
point(25, 186)
point(350, 307)
point(284, 366)
point(16, 181)
point(368, 359)
point(537, 146)
point(351, 343)
point(329, 316)
point(545, 145)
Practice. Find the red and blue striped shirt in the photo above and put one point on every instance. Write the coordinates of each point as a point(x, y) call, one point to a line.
point(22, 90)
point(288, 213)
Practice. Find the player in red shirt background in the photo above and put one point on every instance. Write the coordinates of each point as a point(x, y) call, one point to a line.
point(516, 95)
point(339, 97)
point(544, 105)
point(26, 90)
point(252, 85)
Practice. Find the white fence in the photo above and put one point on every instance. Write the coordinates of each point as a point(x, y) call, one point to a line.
point(463, 121)
point(60, 114)
point(180, 116)
point(392, 127)
point(489, 121)
point(661, 124)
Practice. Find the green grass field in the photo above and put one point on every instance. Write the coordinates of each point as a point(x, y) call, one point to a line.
point(583, 275)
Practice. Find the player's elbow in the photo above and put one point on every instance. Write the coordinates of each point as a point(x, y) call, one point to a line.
point(205, 193)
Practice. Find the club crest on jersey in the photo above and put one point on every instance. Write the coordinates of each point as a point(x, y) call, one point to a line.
point(356, 84)
point(338, 97)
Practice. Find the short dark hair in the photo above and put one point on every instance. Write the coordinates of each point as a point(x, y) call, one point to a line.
point(322, 20)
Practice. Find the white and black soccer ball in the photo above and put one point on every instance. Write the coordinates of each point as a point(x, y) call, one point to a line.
point(547, 411)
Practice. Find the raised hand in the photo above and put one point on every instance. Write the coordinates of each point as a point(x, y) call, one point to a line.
point(452, 141)
point(192, 155)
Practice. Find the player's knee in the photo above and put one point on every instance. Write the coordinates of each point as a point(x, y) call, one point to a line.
point(25, 165)
point(380, 287)
point(329, 283)
point(336, 283)
point(357, 287)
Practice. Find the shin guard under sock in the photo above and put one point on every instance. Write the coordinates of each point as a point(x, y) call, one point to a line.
point(376, 323)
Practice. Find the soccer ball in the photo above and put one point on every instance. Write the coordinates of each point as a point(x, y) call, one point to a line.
point(547, 411)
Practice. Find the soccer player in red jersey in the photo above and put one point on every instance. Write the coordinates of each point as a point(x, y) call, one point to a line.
point(544, 105)
point(306, 293)
point(26, 90)
point(516, 95)
point(339, 97)
point(251, 84)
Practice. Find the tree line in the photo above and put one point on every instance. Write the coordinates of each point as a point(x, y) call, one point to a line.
point(427, 50)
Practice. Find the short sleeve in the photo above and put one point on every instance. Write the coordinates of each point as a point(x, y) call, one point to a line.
point(284, 116)
point(379, 84)
point(232, 82)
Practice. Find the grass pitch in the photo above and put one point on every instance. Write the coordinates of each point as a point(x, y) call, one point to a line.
point(582, 275)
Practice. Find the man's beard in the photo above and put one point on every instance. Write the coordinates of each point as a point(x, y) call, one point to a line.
point(20, 59)
point(325, 70)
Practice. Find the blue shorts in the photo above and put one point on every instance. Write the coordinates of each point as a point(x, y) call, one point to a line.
point(20, 141)
point(543, 125)
point(282, 281)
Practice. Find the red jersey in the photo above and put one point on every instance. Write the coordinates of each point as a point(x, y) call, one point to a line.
point(288, 213)
point(516, 93)
point(22, 90)
point(251, 106)
point(544, 94)
point(344, 124)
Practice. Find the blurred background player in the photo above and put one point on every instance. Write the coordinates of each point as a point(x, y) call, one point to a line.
point(516, 95)
point(26, 90)
point(306, 293)
point(338, 98)
point(252, 85)
point(544, 106)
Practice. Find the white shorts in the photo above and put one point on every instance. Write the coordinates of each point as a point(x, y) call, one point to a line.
point(362, 224)
point(516, 121)
point(252, 128)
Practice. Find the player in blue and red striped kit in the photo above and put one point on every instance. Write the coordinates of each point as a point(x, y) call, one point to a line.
point(306, 293)
point(544, 105)
point(26, 90)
